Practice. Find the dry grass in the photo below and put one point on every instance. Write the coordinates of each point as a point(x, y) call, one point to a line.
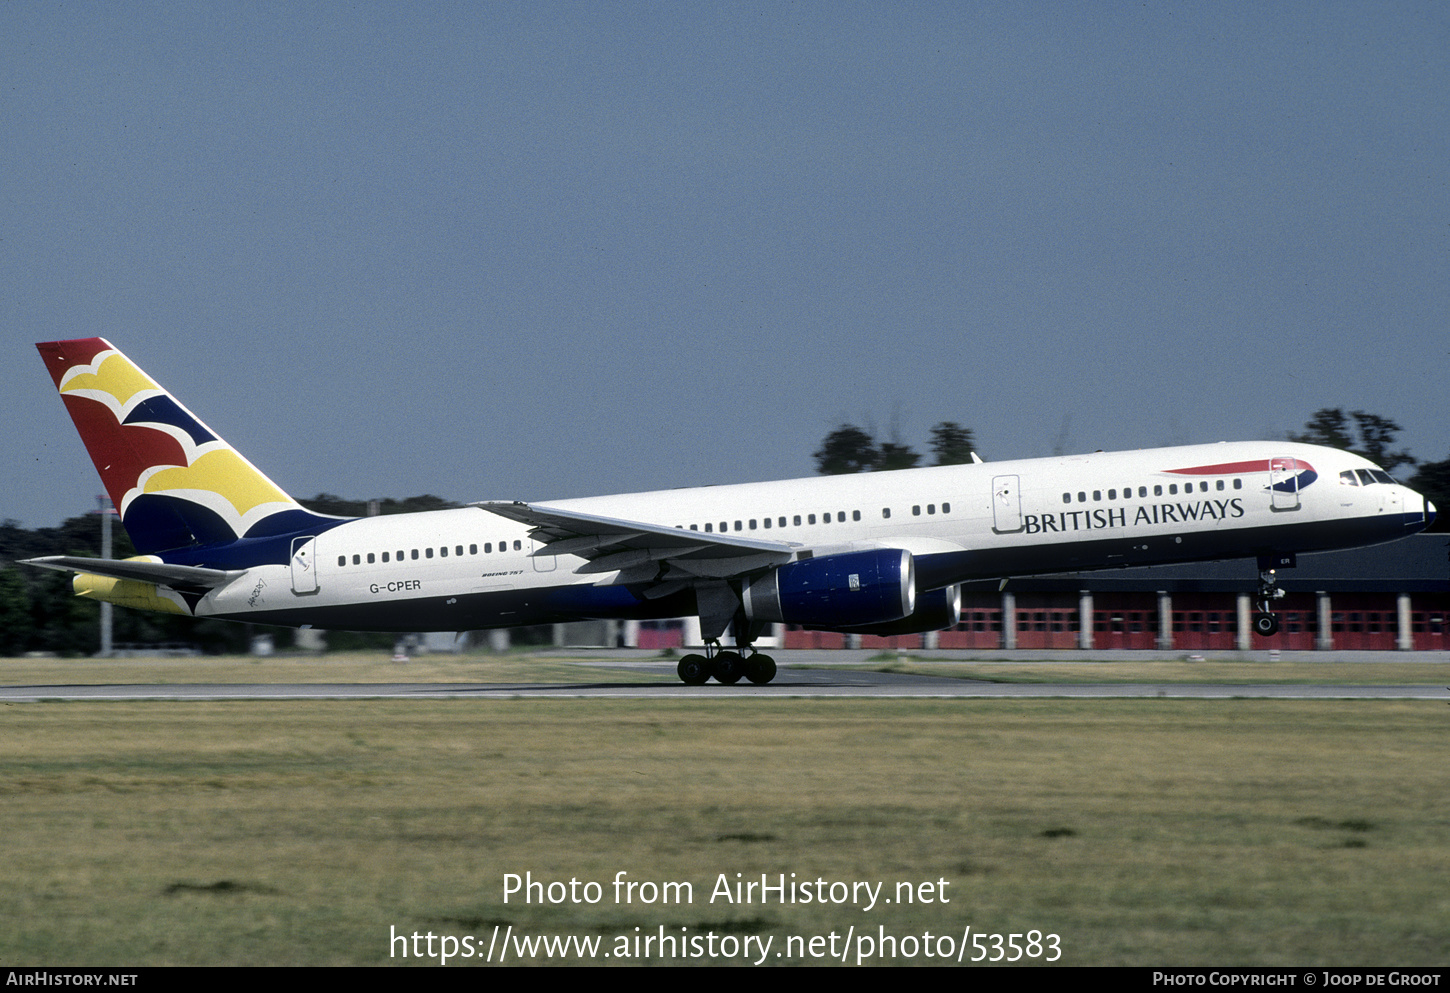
point(1142, 832)
point(334, 667)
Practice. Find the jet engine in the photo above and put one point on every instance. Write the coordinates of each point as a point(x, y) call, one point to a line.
point(935, 610)
point(836, 591)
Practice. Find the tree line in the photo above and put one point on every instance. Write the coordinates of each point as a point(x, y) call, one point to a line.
point(849, 449)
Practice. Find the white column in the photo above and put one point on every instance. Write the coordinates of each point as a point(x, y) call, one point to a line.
point(1245, 636)
point(1324, 640)
point(1009, 620)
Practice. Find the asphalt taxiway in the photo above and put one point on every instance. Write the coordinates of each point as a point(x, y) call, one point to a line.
point(790, 682)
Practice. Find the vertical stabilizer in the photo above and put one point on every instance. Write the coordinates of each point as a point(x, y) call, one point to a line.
point(174, 482)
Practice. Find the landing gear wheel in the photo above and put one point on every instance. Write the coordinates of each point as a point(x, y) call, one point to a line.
point(760, 669)
point(694, 670)
point(729, 667)
point(1266, 625)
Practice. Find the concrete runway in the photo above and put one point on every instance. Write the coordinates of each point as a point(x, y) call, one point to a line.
point(790, 682)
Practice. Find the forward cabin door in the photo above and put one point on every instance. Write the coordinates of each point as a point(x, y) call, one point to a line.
point(304, 566)
point(1006, 505)
point(1284, 483)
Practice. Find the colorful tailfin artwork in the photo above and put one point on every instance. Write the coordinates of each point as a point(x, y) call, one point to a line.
point(175, 483)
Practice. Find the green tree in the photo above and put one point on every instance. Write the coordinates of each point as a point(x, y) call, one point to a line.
point(331, 503)
point(1433, 481)
point(1370, 435)
point(847, 449)
point(15, 618)
point(952, 443)
point(894, 455)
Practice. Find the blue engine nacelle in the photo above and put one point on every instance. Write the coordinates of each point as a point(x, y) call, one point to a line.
point(935, 610)
point(836, 591)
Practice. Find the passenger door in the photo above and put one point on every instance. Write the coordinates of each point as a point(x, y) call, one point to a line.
point(1006, 505)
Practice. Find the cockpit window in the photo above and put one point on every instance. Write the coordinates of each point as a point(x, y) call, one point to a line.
point(1348, 478)
point(1365, 477)
point(1382, 476)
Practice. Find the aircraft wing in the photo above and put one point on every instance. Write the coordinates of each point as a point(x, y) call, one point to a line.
point(139, 570)
point(642, 552)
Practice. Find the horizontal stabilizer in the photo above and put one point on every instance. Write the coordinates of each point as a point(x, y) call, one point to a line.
point(139, 570)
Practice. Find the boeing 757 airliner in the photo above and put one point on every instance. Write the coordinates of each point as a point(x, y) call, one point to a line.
point(881, 552)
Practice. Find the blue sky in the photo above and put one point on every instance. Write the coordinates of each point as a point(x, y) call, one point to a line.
point(535, 250)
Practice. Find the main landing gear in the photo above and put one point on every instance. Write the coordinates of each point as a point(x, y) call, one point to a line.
point(1266, 622)
point(727, 667)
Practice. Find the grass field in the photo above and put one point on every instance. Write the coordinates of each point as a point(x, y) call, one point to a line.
point(1139, 831)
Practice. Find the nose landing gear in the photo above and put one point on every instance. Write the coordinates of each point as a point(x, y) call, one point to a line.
point(1266, 622)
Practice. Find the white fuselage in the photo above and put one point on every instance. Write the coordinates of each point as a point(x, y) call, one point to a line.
point(470, 568)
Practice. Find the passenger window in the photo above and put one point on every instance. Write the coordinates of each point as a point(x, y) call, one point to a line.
point(782, 522)
point(916, 510)
point(472, 549)
point(1081, 497)
point(1112, 494)
point(886, 512)
point(371, 558)
point(443, 551)
point(385, 556)
point(946, 508)
point(342, 560)
point(738, 527)
point(855, 515)
point(709, 528)
point(797, 520)
point(840, 517)
point(766, 522)
point(1097, 495)
point(518, 545)
point(1219, 485)
point(357, 559)
point(1238, 484)
point(752, 525)
point(931, 508)
point(811, 518)
point(415, 555)
point(1142, 491)
point(428, 553)
point(1067, 498)
point(1158, 491)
